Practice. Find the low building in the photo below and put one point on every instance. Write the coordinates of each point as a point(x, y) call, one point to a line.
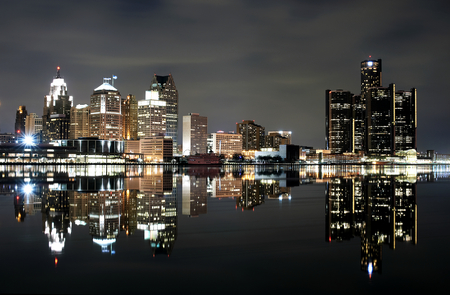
point(287, 152)
point(226, 144)
point(156, 149)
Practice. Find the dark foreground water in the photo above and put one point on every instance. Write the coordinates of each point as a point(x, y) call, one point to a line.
point(337, 229)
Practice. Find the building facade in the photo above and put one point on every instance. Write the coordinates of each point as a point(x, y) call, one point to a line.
point(21, 115)
point(406, 120)
point(156, 149)
point(165, 89)
point(226, 144)
point(79, 121)
point(151, 116)
point(339, 121)
point(252, 135)
point(195, 134)
point(274, 139)
point(106, 117)
point(130, 118)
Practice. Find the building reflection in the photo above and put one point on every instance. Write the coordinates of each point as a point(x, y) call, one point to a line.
point(194, 195)
point(380, 209)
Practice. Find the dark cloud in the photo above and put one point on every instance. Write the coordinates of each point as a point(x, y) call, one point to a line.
point(231, 60)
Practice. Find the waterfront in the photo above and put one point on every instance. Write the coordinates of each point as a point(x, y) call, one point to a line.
point(220, 230)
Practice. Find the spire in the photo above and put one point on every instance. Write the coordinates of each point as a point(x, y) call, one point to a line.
point(58, 75)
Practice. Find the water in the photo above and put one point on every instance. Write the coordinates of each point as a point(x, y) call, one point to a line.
point(245, 229)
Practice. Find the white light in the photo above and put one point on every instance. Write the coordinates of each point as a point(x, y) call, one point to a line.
point(28, 140)
point(28, 189)
point(370, 268)
point(369, 63)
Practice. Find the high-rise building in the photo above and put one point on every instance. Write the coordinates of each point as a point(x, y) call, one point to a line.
point(195, 134)
point(79, 121)
point(130, 118)
point(156, 149)
point(252, 135)
point(274, 139)
point(57, 102)
point(339, 121)
point(21, 115)
point(406, 120)
point(106, 117)
point(151, 115)
point(166, 91)
point(370, 75)
point(33, 124)
point(226, 144)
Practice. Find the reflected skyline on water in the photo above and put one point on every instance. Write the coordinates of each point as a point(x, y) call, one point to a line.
point(376, 205)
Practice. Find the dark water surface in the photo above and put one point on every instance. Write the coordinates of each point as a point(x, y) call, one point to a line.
point(343, 230)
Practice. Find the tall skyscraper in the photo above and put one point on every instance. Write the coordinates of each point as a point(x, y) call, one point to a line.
point(151, 115)
point(21, 115)
point(33, 124)
point(339, 121)
point(79, 121)
point(57, 102)
point(195, 134)
point(370, 75)
point(166, 91)
point(406, 120)
point(252, 135)
point(130, 118)
point(106, 118)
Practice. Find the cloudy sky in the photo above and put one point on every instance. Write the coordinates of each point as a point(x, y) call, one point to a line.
point(268, 61)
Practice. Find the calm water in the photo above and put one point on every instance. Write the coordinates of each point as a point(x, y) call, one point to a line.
point(331, 229)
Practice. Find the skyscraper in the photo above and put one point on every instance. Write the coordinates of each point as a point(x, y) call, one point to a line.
point(106, 118)
point(370, 75)
point(21, 115)
point(130, 118)
point(79, 121)
point(33, 124)
point(339, 121)
point(406, 120)
point(252, 135)
point(195, 134)
point(151, 115)
point(166, 91)
point(57, 102)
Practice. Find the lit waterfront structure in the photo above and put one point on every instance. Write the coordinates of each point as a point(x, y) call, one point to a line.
point(57, 104)
point(19, 125)
point(406, 120)
point(151, 115)
point(166, 91)
point(274, 139)
point(130, 117)
point(195, 134)
point(339, 121)
point(106, 117)
point(8, 138)
point(79, 121)
point(252, 135)
point(226, 144)
point(156, 149)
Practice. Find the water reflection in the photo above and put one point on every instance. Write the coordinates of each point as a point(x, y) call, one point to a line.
point(378, 204)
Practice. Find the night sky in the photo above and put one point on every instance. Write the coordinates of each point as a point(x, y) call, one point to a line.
point(268, 61)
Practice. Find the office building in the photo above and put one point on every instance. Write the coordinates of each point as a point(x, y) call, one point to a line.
point(130, 117)
point(21, 115)
point(57, 102)
point(151, 116)
point(226, 144)
point(339, 121)
point(166, 91)
point(406, 120)
point(156, 149)
point(274, 139)
point(33, 124)
point(79, 121)
point(106, 117)
point(370, 75)
point(195, 134)
point(58, 127)
point(252, 135)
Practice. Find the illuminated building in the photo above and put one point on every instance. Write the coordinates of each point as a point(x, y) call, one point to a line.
point(128, 220)
point(166, 91)
point(21, 115)
point(79, 121)
point(195, 134)
point(226, 144)
point(8, 137)
point(130, 117)
point(252, 135)
point(156, 149)
point(33, 125)
point(57, 102)
point(359, 113)
point(370, 75)
point(226, 187)
point(151, 115)
point(339, 121)
point(406, 120)
point(106, 117)
point(274, 139)
point(194, 196)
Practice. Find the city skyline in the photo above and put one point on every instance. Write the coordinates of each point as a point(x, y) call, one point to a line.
point(232, 61)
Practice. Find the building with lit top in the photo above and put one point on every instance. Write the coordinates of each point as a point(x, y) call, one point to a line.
point(19, 125)
point(165, 89)
point(106, 117)
point(151, 115)
point(274, 139)
point(195, 134)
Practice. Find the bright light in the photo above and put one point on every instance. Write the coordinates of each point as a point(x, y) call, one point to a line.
point(28, 140)
point(28, 189)
point(370, 268)
point(369, 63)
